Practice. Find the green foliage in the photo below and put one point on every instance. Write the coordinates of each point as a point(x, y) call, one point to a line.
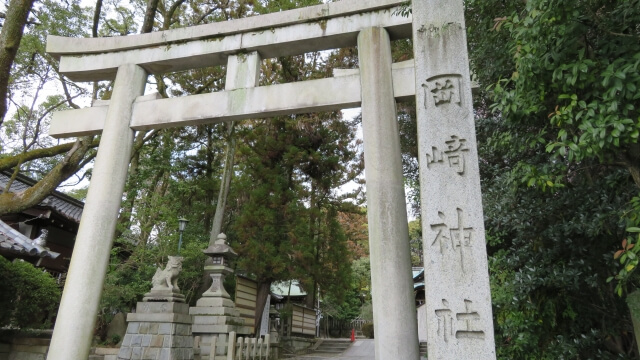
point(404, 10)
point(277, 236)
point(627, 279)
point(283, 217)
point(415, 242)
point(29, 297)
point(269, 6)
point(287, 225)
point(129, 279)
point(558, 140)
point(345, 309)
point(33, 74)
point(362, 278)
point(549, 257)
point(367, 330)
point(366, 311)
point(79, 193)
point(568, 73)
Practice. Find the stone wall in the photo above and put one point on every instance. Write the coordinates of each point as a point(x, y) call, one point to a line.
point(20, 347)
point(296, 345)
point(153, 340)
point(25, 348)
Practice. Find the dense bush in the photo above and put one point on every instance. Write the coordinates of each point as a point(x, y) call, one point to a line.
point(367, 330)
point(29, 297)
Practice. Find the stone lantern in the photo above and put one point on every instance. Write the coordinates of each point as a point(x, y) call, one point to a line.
point(215, 314)
point(222, 256)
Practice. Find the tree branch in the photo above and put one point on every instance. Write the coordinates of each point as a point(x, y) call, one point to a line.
point(13, 161)
point(10, 37)
point(96, 18)
point(149, 16)
point(16, 202)
point(169, 14)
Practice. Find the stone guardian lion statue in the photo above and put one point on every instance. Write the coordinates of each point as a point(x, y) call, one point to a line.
point(168, 278)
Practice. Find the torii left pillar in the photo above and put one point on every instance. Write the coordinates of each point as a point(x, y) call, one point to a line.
point(78, 311)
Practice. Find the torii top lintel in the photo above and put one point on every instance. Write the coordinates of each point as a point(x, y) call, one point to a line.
point(292, 32)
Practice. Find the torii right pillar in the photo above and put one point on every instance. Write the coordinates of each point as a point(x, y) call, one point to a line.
point(458, 299)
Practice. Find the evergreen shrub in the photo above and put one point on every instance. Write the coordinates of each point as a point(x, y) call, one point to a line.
point(29, 297)
point(367, 330)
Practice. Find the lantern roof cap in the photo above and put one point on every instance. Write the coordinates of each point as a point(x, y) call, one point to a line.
point(220, 247)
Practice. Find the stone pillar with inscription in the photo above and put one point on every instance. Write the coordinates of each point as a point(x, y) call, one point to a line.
point(458, 299)
point(161, 326)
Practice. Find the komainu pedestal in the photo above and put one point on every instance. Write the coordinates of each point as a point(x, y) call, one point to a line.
point(160, 329)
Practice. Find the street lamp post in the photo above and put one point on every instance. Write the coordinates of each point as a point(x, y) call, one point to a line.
point(182, 223)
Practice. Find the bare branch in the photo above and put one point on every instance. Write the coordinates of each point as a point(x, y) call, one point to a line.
point(207, 13)
point(169, 14)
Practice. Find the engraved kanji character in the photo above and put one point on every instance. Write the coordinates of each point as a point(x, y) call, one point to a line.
point(442, 231)
point(461, 236)
point(444, 89)
point(435, 156)
point(445, 321)
point(456, 147)
point(467, 318)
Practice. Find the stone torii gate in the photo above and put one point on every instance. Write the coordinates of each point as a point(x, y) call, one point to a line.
point(457, 288)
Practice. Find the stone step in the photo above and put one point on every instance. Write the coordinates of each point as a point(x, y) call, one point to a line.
point(334, 346)
point(423, 348)
point(329, 350)
point(336, 341)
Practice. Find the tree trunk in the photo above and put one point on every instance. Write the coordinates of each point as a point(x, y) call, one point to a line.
point(633, 302)
point(10, 37)
point(310, 300)
point(631, 159)
point(157, 189)
point(124, 219)
point(96, 18)
point(264, 290)
point(149, 16)
point(216, 227)
point(227, 174)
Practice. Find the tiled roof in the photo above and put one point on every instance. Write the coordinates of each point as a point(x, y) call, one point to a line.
point(13, 241)
point(64, 204)
point(417, 271)
point(287, 288)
